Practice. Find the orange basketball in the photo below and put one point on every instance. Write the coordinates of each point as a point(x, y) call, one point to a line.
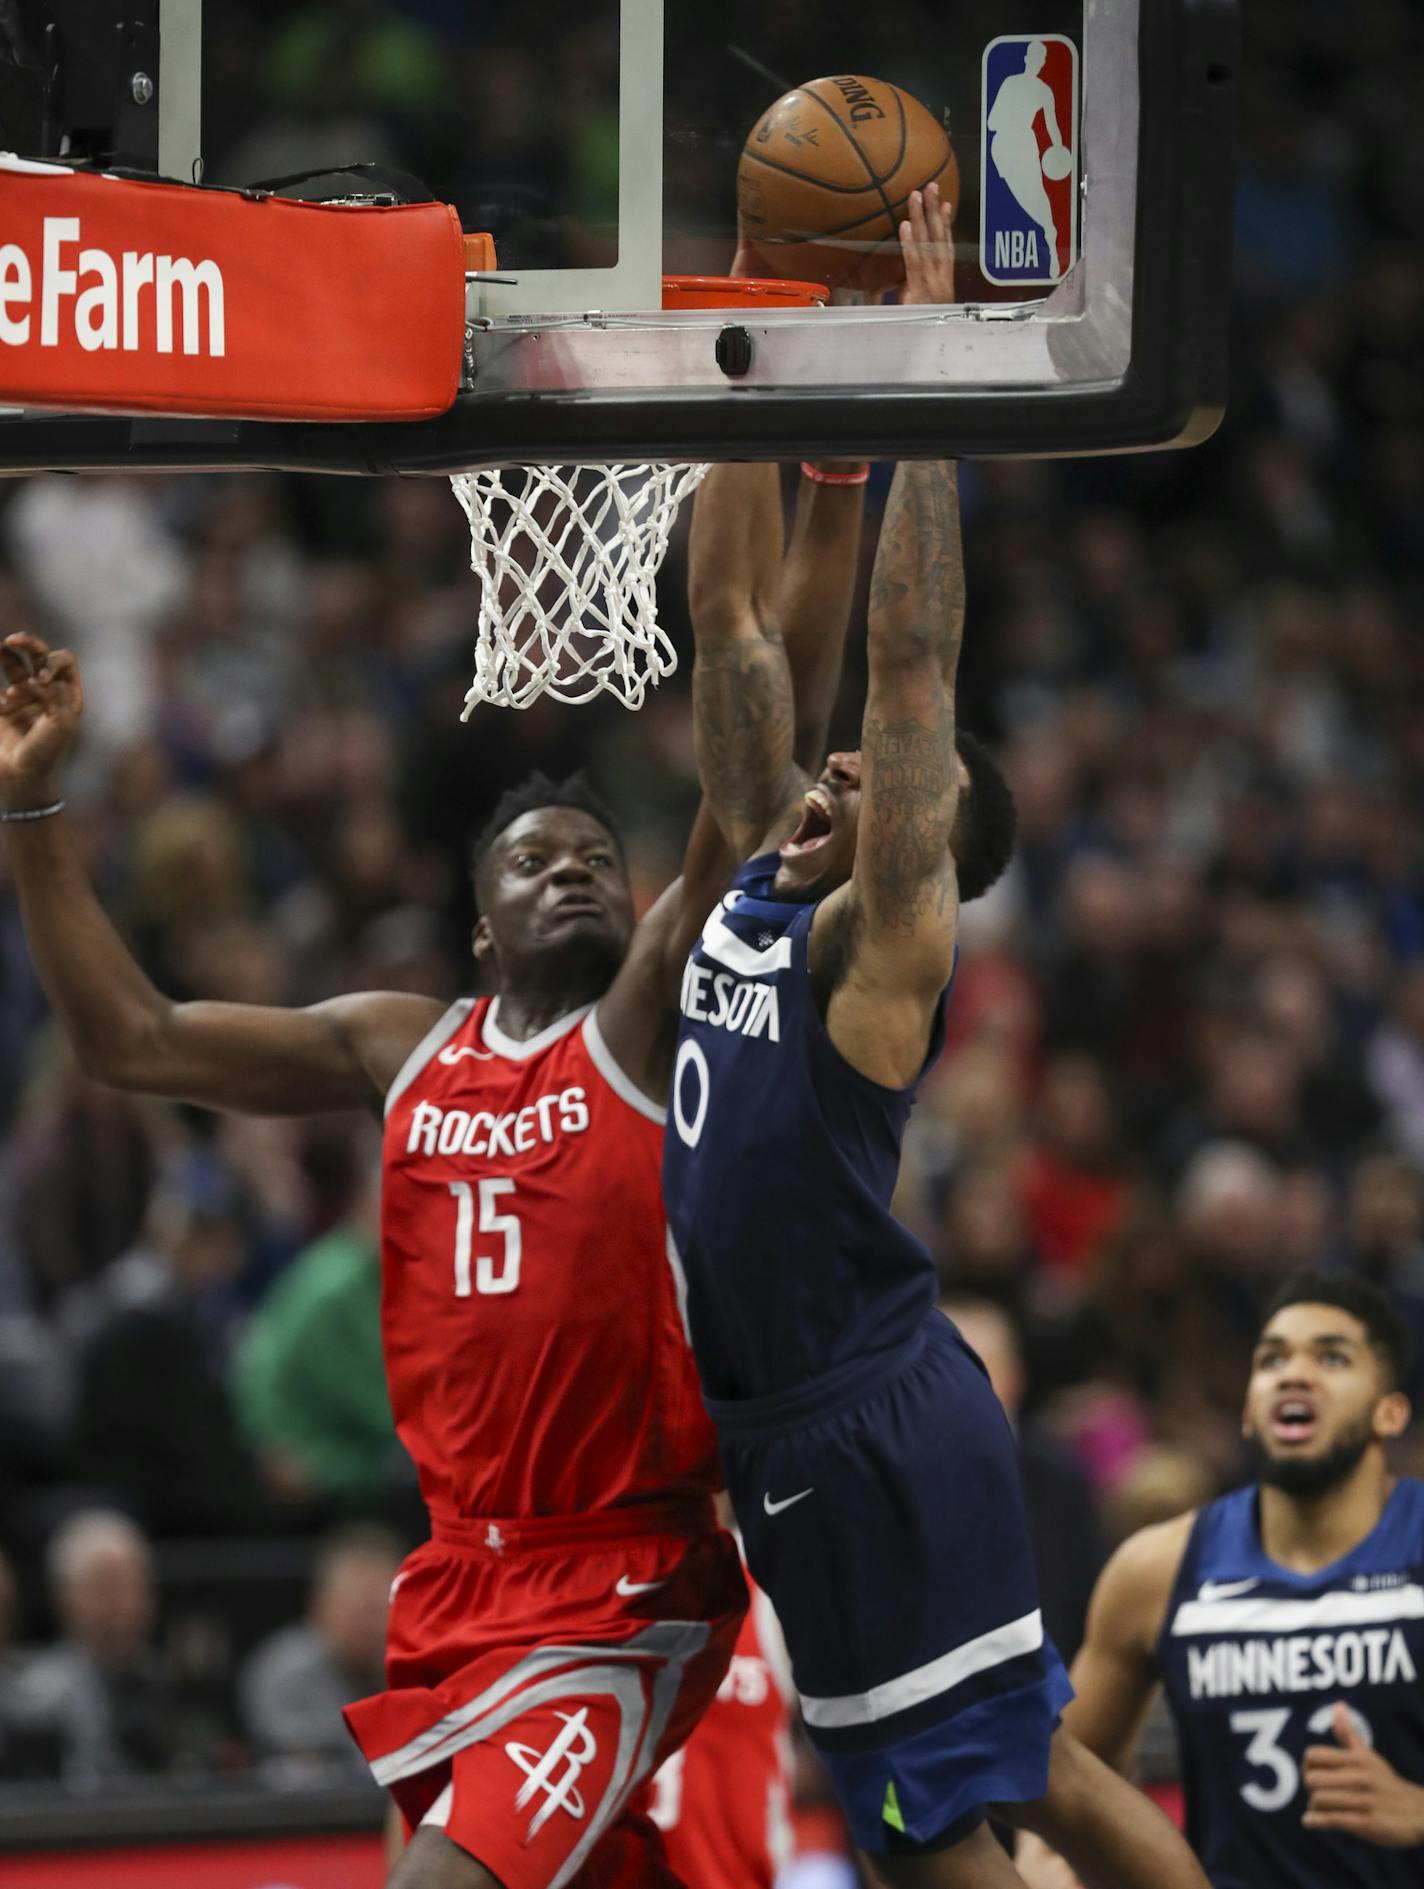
point(825, 177)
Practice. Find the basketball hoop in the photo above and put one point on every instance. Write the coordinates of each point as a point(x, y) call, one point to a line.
point(567, 557)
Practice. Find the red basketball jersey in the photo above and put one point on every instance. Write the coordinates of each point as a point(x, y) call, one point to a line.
point(533, 1340)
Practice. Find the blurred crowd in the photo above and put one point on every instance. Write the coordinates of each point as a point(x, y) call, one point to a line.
point(1186, 1047)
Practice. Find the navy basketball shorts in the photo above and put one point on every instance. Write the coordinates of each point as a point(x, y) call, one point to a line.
point(880, 1510)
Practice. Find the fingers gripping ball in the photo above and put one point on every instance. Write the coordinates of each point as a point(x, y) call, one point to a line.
point(826, 175)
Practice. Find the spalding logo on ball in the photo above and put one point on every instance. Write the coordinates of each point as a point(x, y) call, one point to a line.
point(825, 180)
point(1028, 215)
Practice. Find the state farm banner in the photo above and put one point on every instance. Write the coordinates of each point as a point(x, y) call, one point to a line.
point(125, 297)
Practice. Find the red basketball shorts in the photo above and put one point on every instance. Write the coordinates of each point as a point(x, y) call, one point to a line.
point(540, 1672)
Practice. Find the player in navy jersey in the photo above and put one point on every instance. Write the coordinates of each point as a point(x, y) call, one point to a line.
point(868, 1460)
point(1286, 1621)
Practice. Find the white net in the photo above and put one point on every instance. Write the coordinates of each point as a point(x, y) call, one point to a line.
point(567, 559)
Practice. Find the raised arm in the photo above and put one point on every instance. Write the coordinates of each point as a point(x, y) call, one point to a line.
point(124, 1032)
point(769, 635)
point(781, 622)
point(742, 693)
point(903, 880)
point(902, 903)
point(738, 576)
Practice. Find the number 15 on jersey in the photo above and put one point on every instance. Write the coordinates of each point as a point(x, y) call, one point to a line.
point(492, 1275)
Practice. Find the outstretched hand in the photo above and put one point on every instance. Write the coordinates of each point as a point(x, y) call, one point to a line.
point(927, 243)
point(40, 705)
point(1353, 1788)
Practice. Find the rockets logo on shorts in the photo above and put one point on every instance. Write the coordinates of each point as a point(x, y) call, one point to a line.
point(555, 1772)
point(1028, 199)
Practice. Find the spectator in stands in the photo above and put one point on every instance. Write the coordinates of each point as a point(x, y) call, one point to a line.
point(96, 1707)
point(12, 1743)
point(1294, 999)
point(102, 565)
point(1396, 1065)
point(1160, 1482)
point(295, 1683)
point(1063, 1522)
point(1252, 1097)
point(1072, 1180)
point(309, 1386)
point(1385, 1235)
point(81, 1167)
point(985, 1249)
point(155, 1427)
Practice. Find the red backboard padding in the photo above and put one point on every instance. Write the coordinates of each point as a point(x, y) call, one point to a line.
point(127, 297)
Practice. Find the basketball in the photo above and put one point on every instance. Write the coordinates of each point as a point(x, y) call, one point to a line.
point(825, 178)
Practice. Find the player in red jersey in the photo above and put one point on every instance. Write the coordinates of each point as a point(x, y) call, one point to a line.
point(723, 1801)
point(576, 1606)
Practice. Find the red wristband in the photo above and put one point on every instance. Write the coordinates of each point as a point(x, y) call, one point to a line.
point(834, 478)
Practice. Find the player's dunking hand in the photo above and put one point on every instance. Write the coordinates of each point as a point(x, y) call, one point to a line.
point(927, 243)
point(1353, 1788)
point(40, 705)
point(749, 260)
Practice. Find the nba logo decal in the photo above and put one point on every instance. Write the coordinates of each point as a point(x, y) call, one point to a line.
point(1028, 200)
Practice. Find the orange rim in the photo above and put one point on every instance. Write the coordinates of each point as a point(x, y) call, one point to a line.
point(724, 291)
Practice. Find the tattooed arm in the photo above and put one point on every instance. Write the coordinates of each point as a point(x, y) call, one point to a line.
point(902, 903)
point(743, 595)
point(903, 882)
point(742, 697)
point(769, 639)
point(890, 933)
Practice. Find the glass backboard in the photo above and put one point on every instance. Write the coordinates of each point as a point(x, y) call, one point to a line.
point(607, 143)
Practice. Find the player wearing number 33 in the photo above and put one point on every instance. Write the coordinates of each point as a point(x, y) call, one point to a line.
point(1286, 1621)
point(577, 1604)
point(870, 1465)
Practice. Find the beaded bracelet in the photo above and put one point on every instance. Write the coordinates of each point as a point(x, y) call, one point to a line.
point(31, 813)
point(835, 478)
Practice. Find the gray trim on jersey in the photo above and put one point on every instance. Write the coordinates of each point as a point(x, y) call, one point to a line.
point(434, 1039)
point(518, 1052)
point(621, 1083)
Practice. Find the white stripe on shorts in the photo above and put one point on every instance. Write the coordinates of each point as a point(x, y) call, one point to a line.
point(927, 1682)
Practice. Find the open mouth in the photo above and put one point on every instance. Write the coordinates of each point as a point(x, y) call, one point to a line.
point(817, 821)
point(1293, 1420)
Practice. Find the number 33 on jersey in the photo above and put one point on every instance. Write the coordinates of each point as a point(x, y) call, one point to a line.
point(522, 1200)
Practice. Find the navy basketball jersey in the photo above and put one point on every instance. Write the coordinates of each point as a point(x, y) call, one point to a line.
point(779, 1164)
point(1254, 1658)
